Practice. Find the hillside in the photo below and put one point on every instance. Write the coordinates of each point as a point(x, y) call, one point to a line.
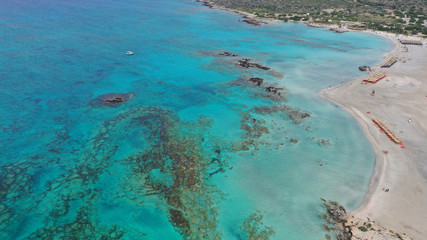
point(399, 16)
point(287, 6)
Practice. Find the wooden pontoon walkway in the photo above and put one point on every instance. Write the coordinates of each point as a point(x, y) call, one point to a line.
point(411, 42)
point(387, 131)
point(389, 62)
point(374, 77)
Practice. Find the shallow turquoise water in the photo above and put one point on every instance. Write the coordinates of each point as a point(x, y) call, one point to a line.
point(183, 157)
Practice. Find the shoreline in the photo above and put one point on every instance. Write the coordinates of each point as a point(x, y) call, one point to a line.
point(403, 208)
point(398, 163)
point(364, 122)
point(332, 27)
point(212, 5)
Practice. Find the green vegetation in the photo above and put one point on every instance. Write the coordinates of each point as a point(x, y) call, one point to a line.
point(397, 16)
point(363, 229)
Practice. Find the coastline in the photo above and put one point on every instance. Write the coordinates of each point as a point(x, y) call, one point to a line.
point(398, 99)
point(212, 5)
point(402, 208)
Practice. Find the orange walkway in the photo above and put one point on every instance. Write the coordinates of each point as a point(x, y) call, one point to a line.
point(387, 131)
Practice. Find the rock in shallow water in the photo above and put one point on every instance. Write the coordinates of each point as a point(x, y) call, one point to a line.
point(257, 81)
point(111, 99)
point(228, 54)
point(246, 63)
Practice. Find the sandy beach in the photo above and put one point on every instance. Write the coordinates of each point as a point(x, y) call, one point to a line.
point(400, 102)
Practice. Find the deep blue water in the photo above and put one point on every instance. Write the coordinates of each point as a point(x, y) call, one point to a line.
point(197, 150)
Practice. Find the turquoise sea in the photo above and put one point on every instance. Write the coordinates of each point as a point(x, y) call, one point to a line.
point(199, 148)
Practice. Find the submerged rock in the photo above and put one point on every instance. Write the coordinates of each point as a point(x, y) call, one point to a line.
point(254, 128)
point(304, 115)
point(274, 90)
point(276, 74)
point(246, 63)
point(275, 93)
point(256, 80)
point(228, 54)
point(294, 114)
point(324, 142)
point(114, 100)
point(111, 99)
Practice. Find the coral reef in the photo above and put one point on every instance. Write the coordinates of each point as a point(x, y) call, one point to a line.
point(183, 169)
point(254, 229)
point(83, 227)
point(173, 166)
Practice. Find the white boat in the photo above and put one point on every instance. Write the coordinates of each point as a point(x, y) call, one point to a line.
point(129, 53)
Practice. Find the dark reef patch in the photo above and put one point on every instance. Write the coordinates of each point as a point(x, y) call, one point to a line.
point(294, 114)
point(227, 54)
point(247, 63)
point(276, 74)
point(253, 228)
point(173, 168)
point(111, 99)
point(260, 88)
point(256, 80)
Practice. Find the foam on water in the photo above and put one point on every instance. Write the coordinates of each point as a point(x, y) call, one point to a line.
point(197, 148)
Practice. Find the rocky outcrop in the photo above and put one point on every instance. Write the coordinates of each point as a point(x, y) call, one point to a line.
point(205, 3)
point(336, 219)
point(253, 22)
point(338, 30)
point(343, 227)
point(364, 68)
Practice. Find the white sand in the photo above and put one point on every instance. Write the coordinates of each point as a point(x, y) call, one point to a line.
point(400, 97)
